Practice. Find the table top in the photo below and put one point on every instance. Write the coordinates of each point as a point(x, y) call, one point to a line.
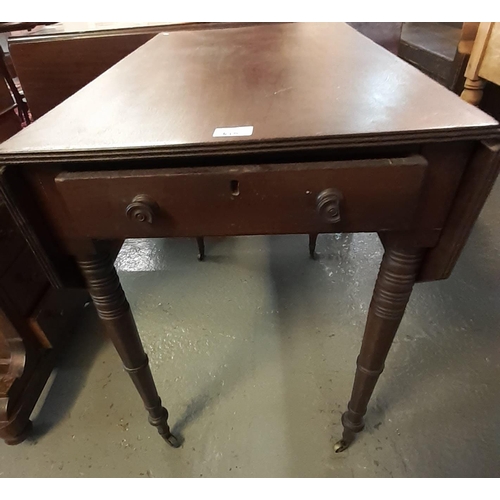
point(249, 88)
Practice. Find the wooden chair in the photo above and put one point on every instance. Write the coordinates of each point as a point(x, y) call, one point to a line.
point(21, 104)
point(484, 62)
point(10, 123)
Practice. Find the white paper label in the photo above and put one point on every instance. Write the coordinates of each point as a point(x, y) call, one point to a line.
point(233, 131)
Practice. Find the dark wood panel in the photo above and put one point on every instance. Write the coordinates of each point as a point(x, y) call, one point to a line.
point(55, 314)
point(9, 124)
point(27, 345)
point(51, 71)
point(24, 282)
point(291, 82)
point(56, 61)
point(11, 241)
point(476, 184)
point(271, 199)
point(447, 163)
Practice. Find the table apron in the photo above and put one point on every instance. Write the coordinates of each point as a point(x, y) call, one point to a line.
point(373, 195)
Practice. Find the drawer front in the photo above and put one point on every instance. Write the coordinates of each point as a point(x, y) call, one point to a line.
point(360, 195)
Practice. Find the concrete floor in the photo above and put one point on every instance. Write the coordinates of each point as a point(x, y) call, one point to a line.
point(253, 352)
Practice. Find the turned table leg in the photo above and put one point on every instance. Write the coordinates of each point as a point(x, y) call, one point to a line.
point(393, 288)
point(109, 299)
point(312, 244)
point(473, 91)
point(201, 248)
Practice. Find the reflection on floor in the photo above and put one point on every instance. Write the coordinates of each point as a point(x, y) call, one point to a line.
point(254, 351)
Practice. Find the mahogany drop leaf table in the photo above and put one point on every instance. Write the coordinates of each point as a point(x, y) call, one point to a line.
point(267, 129)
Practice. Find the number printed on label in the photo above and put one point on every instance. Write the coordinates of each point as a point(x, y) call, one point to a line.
point(233, 131)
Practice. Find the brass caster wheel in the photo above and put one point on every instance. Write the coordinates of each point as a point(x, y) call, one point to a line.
point(173, 441)
point(341, 446)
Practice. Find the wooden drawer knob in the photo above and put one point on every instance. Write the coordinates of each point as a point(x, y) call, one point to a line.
point(142, 209)
point(328, 205)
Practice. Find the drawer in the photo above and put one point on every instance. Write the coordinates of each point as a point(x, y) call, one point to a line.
point(359, 195)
